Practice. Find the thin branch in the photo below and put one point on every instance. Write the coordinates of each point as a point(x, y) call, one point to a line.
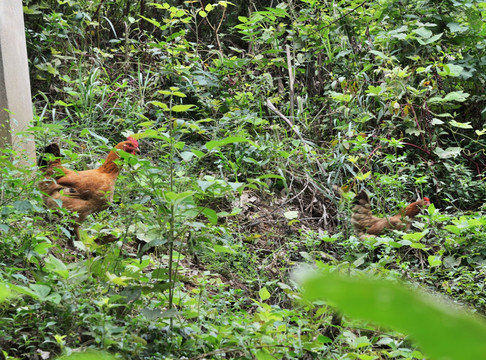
point(291, 81)
point(286, 119)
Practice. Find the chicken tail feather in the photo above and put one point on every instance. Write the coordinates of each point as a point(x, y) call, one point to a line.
point(43, 161)
point(362, 218)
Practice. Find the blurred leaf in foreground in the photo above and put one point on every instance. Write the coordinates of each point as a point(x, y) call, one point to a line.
point(440, 330)
point(5, 292)
point(88, 355)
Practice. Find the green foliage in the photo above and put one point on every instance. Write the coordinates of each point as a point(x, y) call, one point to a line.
point(441, 330)
point(249, 115)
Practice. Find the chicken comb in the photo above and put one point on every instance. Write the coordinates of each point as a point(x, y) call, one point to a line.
point(426, 199)
point(133, 141)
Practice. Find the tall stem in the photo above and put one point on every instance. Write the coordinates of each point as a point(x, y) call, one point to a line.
point(171, 214)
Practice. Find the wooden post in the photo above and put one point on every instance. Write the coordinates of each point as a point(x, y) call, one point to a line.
point(15, 96)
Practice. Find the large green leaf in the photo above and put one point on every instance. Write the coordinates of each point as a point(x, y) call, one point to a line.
point(229, 140)
point(448, 153)
point(88, 355)
point(442, 331)
point(459, 96)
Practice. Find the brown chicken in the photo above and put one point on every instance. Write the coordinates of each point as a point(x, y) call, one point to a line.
point(367, 225)
point(80, 192)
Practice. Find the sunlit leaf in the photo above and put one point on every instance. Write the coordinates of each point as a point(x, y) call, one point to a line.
point(362, 177)
point(434, 260)
point(466, 125)
point(416, 236)
point(5, 292)
point(181, 108)
point(117, 280)
point(264, 294)
point(291, 214)
point(159, 104)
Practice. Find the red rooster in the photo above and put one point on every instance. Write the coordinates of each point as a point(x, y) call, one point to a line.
point(82, 192)
point(367, 225)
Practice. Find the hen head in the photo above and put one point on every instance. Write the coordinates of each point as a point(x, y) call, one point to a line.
point(426, 201)
point(130, 145)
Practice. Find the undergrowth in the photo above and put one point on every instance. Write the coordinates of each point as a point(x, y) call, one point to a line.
point(257, 124)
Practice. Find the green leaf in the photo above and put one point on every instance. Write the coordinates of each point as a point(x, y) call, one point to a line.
point(423, 32)
point(431, 40)
point(229, 140)
point(117, 280)
point(291, 215)
point(460, 125)
point(152, 21)
point(181, 108)
point(210, 214)
point(55, 265)
point(434, 260)
point(264, 354)
point(264, 294)
point(417, 246)
point(40, 290)
point(340, 97)
point(151, 314)
point(416, 236)
point(452, 70)
point(187, 155)
point(448, 153)
point(23, 206)
point(459, 96)
point(178, 94)
point(451, 262)
point(204, 185)
point(170, 195)
point(159, 104)
point(374, 90)
point(198, 153)
point(24, 290)
point(457, 28)
point(362, 177)
point(5, 292)
point(379, 54)
point(88, 355)
point(441, 331)
point(223, 249)
point(453, 229)
point(179, 145)
point(271, 176)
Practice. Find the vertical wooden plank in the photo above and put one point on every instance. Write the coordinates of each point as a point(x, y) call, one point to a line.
point(15, 96)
